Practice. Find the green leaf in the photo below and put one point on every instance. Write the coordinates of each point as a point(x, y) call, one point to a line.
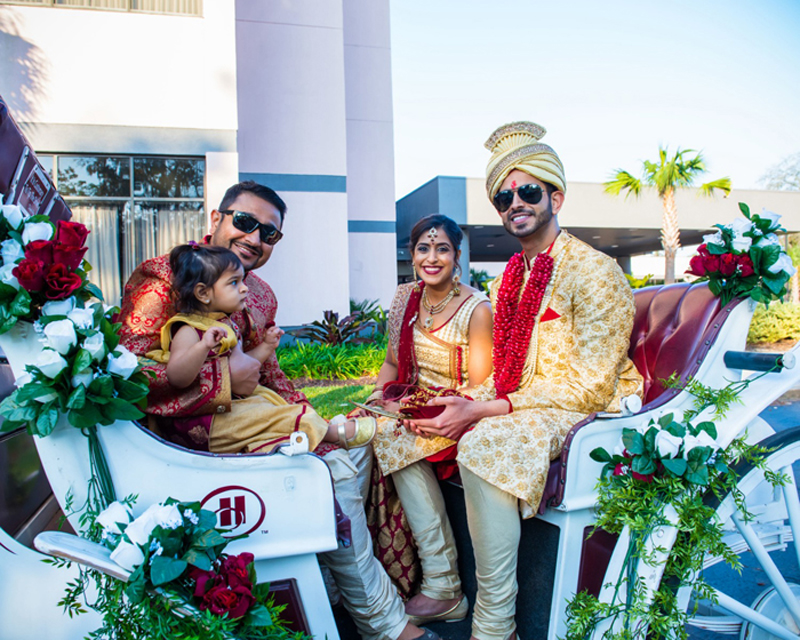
point(163, 570)
point(118, 409)
point(83, 360)
point(676, 466)
point(88, 416)
point(93, 290)
point(709, 427)
point(31, 391)
point(633, 441)
point(698, 475)
point(744, 209)
point(600, 455)
point(22, 303)
point(259, 616)
point(77, 398)
point(47, 419)
point(102, 386)
point(643, 465)
point(198, 558)
point(208, 539)
point(208, 519)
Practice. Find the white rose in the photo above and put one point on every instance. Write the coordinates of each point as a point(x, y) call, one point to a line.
point(23, 379)
point(140, 529)
point(6, 277)
point(783, 263)
point(61, 335)
point(96, 346)
point(84, 378)
point(169, 517)
point(83, 318)
point(11, 251)
point(715, 238)
point(774, 218)
point(111, 517)
point(738, 228)
point(124, 364)
point(37, 231)
point(701, 440)
point(127, 555)
point(13, 214)
point(58, 307)
point(50, 362)
point(667, 444)
point(768, 240)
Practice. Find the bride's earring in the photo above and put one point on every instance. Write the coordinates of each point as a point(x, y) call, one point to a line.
point(456, 280)
point(416, 280)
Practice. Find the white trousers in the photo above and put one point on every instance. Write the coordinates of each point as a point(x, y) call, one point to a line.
point(423, 504)
point(368, 594)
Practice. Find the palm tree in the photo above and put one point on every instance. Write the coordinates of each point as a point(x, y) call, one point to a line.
point(666, 175)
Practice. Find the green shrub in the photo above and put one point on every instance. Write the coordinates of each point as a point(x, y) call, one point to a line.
point(330, 401)
point(780, 322)
point(332, 362)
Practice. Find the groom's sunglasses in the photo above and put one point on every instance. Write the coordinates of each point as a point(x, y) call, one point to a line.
point(246, 223)
point(530, 193)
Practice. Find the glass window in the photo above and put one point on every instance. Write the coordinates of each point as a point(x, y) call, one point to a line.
point(178, 7)
point(164, 209)
point(168, 177)
point(94, 176)
point(47, 163)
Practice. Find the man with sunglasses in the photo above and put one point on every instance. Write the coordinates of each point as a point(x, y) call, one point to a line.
point(563, 314)
point(248, 222)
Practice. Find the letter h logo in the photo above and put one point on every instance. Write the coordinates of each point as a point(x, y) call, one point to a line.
point(231, 515)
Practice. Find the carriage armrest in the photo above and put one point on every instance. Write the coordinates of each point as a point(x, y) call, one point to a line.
point(80, 550)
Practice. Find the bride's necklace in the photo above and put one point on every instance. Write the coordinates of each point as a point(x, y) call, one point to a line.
point(433, 309)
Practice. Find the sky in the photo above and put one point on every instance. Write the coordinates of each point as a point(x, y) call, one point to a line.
point(610, 80)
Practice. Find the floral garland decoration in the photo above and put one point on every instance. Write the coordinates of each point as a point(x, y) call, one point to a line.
point(177, 563)
point(42, 262)
point(672, 460)
point(515, 318)
point(744, 259)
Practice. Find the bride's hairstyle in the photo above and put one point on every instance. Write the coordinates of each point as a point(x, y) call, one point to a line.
point(436, 221)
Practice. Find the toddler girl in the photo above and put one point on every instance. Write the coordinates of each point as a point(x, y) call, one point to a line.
point(208, 287)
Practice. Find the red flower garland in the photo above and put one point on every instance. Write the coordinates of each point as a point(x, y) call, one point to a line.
point(513, 320)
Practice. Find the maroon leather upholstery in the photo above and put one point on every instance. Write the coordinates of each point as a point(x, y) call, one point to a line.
point(673, 329)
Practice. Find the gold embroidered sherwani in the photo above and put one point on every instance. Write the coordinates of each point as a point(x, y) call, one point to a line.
point(577, 363)
point(438, 359)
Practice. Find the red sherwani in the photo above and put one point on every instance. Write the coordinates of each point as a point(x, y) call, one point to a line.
point(146, 306)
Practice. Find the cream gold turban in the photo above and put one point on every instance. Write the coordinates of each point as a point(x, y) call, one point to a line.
point(517, 146)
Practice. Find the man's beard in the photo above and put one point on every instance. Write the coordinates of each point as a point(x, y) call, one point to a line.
point(536, 221)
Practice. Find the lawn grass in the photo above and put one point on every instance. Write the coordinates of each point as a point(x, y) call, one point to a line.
point(334, 399)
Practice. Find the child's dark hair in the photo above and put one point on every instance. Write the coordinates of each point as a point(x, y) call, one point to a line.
point(195, 263)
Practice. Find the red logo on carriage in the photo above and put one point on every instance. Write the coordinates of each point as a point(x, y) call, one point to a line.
point(239, 510)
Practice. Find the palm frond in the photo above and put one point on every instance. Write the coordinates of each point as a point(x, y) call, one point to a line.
point(723, 184)
point(623, 181)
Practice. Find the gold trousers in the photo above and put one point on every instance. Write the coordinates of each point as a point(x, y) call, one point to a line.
point(423, 504)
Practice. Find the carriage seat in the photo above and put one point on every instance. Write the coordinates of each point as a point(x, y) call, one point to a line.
point(674, 327)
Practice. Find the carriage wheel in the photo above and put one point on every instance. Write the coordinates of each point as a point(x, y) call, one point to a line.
point(764, 601)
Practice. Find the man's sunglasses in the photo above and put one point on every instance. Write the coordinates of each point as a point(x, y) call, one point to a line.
point(247, 223)
point(530, 193)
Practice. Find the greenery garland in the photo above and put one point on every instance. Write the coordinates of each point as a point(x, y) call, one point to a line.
point(639, 483)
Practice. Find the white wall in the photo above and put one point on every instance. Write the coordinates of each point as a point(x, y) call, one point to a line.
point(72, 66)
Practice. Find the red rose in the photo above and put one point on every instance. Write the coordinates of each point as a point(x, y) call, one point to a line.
point(234, 569)
point(72, 234)
point(696, 266)
point(69, 256)
point(41, 250)
point(711, 263)
point(221, 600)
point(703, 250)
point(204, 580)
point(61, 282)
point(620, 469)
point(745, 265)
point(639, 476)
point(30, 274)
point(727, 264)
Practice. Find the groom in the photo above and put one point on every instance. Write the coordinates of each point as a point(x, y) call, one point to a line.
point(563, 314)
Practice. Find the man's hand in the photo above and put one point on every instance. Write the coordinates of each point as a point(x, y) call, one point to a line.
point(245, 372)
point(458, 416)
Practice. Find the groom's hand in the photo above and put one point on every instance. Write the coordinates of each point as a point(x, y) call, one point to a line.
point(245, 372)
point(459, 415)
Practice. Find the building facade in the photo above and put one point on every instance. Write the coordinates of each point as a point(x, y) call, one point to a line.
point(147, 110)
